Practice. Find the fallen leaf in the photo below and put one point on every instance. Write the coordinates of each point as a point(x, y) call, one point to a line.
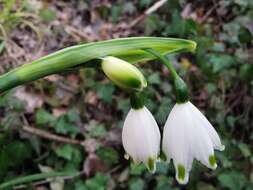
point(32, 100)
point(93, 164)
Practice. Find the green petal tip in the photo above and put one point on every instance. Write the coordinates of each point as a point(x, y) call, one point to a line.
point(151, 165)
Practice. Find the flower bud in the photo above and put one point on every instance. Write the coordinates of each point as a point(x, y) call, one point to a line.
point(123, 74)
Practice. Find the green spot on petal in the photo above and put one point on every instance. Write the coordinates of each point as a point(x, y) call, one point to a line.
point(181, 172)
point(212, 161)
point(163, 156)
point(151, 165)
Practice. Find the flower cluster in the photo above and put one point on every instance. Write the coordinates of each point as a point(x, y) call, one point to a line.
point(187, 134)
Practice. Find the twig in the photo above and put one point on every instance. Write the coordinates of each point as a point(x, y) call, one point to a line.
point(156, 6)
point(47, 135)
point(50, 136)
point(149, 11)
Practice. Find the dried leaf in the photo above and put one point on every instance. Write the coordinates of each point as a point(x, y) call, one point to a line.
point(32, 100)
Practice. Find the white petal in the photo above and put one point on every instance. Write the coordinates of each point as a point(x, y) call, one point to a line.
point(177, 139)
point(141, 135)
point(201, 119)
point(202, 145)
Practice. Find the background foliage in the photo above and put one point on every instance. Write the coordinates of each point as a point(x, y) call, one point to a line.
point(88, 111)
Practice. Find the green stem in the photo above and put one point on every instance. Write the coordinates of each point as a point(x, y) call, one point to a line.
point(179, 84)
point(35, 177)
point(163, 60)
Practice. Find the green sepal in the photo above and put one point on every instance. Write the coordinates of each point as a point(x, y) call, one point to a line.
point(137, 100)
point(181, 90)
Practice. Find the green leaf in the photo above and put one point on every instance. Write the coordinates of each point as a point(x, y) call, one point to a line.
point(151, 24)
point(231, 121)
point(47, 15)
point(136, 184)
point(154, 78)
point(144, 3)
point(79, 185)
point(211, 88)
point(205, 186)
point(244, 149)
point(115, 13)
point(13, 155)
point(128, 49)
point(99, 182)
point(246, 71)
point(137, 169)
point(163, 110)
point(105, 92)
point(43, 117)
point(218, 47)
point(163, 183)
point(70, 152)
point(244, 35)
point(220, 62)
point(162, 168)
point(63, 126)
point(73, 115)
point(95, 129)
point(66, 124)
point(109, 155)
point(232, 180)
point(123, 105)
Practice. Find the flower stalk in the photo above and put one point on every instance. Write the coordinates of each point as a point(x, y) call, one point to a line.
point(179, 84)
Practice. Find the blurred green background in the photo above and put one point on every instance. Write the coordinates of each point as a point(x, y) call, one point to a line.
point(73, 121)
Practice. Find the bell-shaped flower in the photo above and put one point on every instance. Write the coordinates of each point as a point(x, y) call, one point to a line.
point(123, 74)
point(141, 137)
point(188, 135)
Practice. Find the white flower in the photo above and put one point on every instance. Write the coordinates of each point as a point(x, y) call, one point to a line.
point(141, 137)
point(187, 135)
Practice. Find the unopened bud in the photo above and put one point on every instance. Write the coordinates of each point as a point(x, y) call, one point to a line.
point(123, 74)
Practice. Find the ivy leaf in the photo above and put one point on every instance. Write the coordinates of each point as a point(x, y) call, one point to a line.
point(244, 149)
point(105, 92)
point(154, 78)
point(43, 117)
point(220, 62)
point(99, 182)
point(136, 184)
point(232, 180)
point(70, 152)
